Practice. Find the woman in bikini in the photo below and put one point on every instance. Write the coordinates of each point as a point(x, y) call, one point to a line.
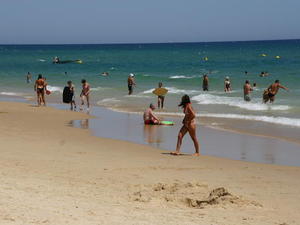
point(39, 88)
point(189, 125)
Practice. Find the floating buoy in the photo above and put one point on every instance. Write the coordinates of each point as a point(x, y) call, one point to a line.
point(277, 57)
point(263, 55)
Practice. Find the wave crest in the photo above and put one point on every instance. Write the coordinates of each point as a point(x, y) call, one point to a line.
point(254, 105)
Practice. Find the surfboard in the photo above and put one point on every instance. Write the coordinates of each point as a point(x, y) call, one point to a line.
point(160, 91)
point(168, 123)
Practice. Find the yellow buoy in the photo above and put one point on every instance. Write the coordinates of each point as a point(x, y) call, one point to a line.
point(263, 55)
point(277, 57)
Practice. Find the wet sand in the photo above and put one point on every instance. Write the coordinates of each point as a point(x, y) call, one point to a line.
point(52, 173)
point(233, 145)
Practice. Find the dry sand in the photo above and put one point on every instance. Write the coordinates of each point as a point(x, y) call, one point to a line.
point(52, 173)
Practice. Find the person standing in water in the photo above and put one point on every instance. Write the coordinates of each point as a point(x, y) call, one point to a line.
point(85, 94)
point(28, 78)
point(227, 85)
point(160, 98)
point(39, 88)
point(72, 94)
point(189, 125)
point(273, 90)
point(205, 83)
point(131, 83)
point(247, 91)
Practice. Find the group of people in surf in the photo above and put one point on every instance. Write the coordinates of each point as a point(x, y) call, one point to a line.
point(189, 124)
point(268, 94)
point(69, 94)
point(40, 87)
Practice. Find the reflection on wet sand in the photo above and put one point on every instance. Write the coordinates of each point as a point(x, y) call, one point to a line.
point(84, 124)
point(153, 135)
point(129, 127)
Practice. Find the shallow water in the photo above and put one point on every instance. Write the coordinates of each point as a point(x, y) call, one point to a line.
point(129, 127)
point(179, 66)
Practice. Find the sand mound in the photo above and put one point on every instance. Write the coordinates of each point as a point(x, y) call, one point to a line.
point(216, 196)
point(194, 195)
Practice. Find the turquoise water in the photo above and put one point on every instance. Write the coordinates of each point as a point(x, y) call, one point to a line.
point(179, 66)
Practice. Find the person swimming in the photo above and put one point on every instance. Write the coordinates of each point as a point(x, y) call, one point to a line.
point(189, 125)
point(105, 74)
point(149, 117)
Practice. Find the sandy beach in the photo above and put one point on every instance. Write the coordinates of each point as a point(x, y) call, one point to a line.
point(52, 173)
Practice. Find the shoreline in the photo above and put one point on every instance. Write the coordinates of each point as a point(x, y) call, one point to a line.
point(129, 127)
point(233, 125)
point(57, 174)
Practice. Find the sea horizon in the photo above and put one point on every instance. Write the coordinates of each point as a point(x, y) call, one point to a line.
point(150, 43)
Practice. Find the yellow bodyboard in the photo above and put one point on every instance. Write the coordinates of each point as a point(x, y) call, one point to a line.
point(160, 91)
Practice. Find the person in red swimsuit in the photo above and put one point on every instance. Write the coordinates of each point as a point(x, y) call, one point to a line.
point(149, 117)
point(39, 88)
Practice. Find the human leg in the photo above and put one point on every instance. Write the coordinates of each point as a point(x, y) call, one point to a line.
point(192, 132)
point(181, 134)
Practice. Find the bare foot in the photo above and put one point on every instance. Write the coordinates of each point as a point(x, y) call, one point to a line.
point(196, 154)
point(175, 153)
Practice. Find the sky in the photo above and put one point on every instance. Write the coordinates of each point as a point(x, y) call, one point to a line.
point(146, 21)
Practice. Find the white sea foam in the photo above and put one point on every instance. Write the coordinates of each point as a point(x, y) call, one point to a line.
point(268, 119)
point(42, 60)
point(99, 88)
point(54, 89)
point(174, 90)
point(12, 93)
point(181, 77)
point(140, 95)
point(148, 91)
point(108, 100)
point(254, 105)
point(294, 122)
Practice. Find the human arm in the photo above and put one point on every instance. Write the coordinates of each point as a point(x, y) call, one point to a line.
point(153, 116)
point(283, 87)
point(45, 85)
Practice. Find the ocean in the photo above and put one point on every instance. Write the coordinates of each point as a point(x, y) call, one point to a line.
point(180, 66)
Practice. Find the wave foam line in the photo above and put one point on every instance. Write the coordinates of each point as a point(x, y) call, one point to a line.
point(174, 90)
point(54, 89)
point(268, 119)
point(254, 105)
point(11, 93)
point(181, 77)
point(293, 122)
